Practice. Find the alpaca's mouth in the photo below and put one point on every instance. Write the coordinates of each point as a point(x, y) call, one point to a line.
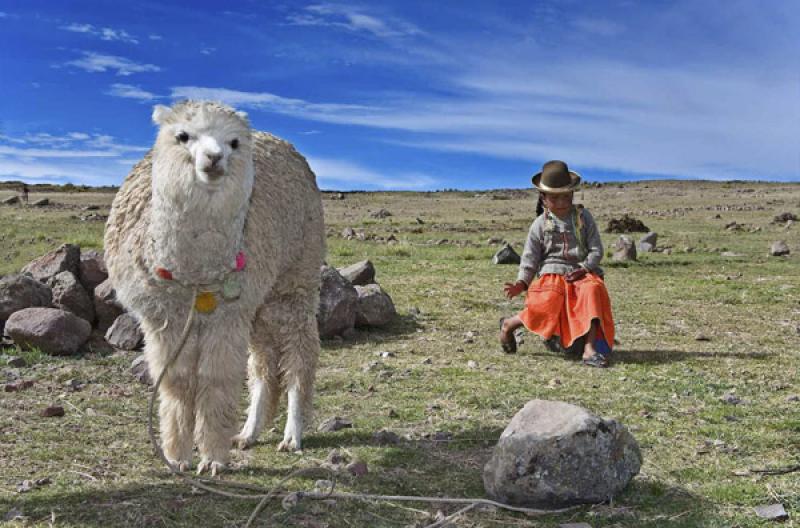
point(212, 176)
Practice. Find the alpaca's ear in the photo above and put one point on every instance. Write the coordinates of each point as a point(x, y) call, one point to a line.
point(241, 114)
point(160, 114)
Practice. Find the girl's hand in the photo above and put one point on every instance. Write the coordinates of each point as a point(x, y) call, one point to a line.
point(512, 290)
point(575, 275)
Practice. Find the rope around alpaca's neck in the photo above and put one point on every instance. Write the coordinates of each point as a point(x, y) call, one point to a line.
point(264, 495)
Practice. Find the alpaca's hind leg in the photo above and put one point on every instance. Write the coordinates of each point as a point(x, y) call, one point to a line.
point(299, 354)
point(221, 371)
point(264, 382)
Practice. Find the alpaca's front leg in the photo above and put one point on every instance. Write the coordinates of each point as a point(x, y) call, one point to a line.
point(176, 404)
point(220, 376)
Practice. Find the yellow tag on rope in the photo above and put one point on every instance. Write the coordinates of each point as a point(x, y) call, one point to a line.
point(205, 302)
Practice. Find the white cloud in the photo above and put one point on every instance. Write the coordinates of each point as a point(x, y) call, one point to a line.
point(77, 157)
point(208, 51)
point(353, 19)
point(97, 62)
point(599, 26)
point(3, 14)
point(155, 37)
point(103, 33)
point(346, 175)
point(129, 91)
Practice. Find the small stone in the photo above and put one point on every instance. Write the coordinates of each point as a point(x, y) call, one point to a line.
point(336, 457)
point(793, 398)
point(702, 337)
point(52, 411)
point(380, 213)
point(386, 354)
point(731, 398)
point(772, 512)
point(506, 255)
point(385, 437)
point(16, 362)
point(427, 361)
point(555, 382)
point(575, 525)
point(73, 385)
point(357, 468)
point(779, 249)
point(14, 515)
point(334, 424)
point(472, 364)
point(323, 486)
point(360, 273)
point(18, 386)
point(393, 414)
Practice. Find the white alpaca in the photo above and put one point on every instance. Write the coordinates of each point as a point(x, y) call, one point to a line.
point(237, 215)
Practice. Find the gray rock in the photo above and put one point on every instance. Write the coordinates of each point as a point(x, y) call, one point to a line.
point(624, 249)
point(11, 200)
point(385, 437)
point(772, 512)
point(16, 362)
point(69, 295)
point(779, 249)
point(650, 238)
point(555, 454)
point(106, 306)
point(125, 333)
point(92, 269)
point(41, 203)
point(338, 302)
point(644, 247)
point(375, 307)
point(334, 424)
point(348, 233)
point(380, 213)
point(65, 258)
point(141, 371)
point(18, 292)
point(506, 255)
point(360, 273)
point(55, 332)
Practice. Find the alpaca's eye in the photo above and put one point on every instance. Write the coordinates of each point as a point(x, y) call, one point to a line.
point(183, 137)
point(235, 144)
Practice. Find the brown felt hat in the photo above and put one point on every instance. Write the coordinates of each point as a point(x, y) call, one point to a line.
point(555, 177)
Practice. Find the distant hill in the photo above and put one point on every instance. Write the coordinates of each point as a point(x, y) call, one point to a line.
point(52, 187)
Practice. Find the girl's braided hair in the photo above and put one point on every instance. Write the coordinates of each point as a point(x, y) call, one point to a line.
point(540, 205)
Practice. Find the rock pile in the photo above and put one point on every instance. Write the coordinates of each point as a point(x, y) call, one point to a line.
point(59, 298)
point(350, 297)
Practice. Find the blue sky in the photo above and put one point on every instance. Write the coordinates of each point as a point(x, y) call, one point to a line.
point(413, 94)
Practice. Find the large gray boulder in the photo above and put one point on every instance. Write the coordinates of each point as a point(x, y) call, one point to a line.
point(106, 306)
point(69, 295)
point(375, 307)
point(92, 269)
point(506, 255)
point(360, 273)
point(18, 292)
point(555, 454)
point(53, 331)
point(624, 249)
point(125, 333)
point(338, 301)
point(65, 258)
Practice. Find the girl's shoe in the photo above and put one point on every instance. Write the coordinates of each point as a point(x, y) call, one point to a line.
point(509, 347)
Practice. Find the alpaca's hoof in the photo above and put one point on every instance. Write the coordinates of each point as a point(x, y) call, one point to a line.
point(289, 444)
point(213, 467)
point(180, 465)
point(243, 441)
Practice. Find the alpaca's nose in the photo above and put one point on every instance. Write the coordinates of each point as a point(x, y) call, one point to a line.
point(214, 158)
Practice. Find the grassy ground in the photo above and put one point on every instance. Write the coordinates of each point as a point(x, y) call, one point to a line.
point(664, 384)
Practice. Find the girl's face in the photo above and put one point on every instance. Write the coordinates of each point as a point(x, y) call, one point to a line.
point(558, 204)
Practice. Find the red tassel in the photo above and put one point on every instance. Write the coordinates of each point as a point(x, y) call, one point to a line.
point(164, 273)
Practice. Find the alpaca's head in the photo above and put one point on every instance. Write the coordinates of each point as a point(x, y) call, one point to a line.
point(203, 144)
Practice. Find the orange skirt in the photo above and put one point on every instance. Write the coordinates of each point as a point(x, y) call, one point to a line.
point(556, 307)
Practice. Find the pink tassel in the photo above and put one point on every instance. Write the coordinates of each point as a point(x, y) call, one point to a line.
point(240, 261)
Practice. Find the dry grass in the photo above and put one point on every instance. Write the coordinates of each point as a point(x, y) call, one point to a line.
point(665, 385)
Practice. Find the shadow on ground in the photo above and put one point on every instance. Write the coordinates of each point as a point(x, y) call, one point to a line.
point(424, 467)
point(402, 327)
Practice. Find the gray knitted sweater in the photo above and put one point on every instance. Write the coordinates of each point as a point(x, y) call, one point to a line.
point(553, 247)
